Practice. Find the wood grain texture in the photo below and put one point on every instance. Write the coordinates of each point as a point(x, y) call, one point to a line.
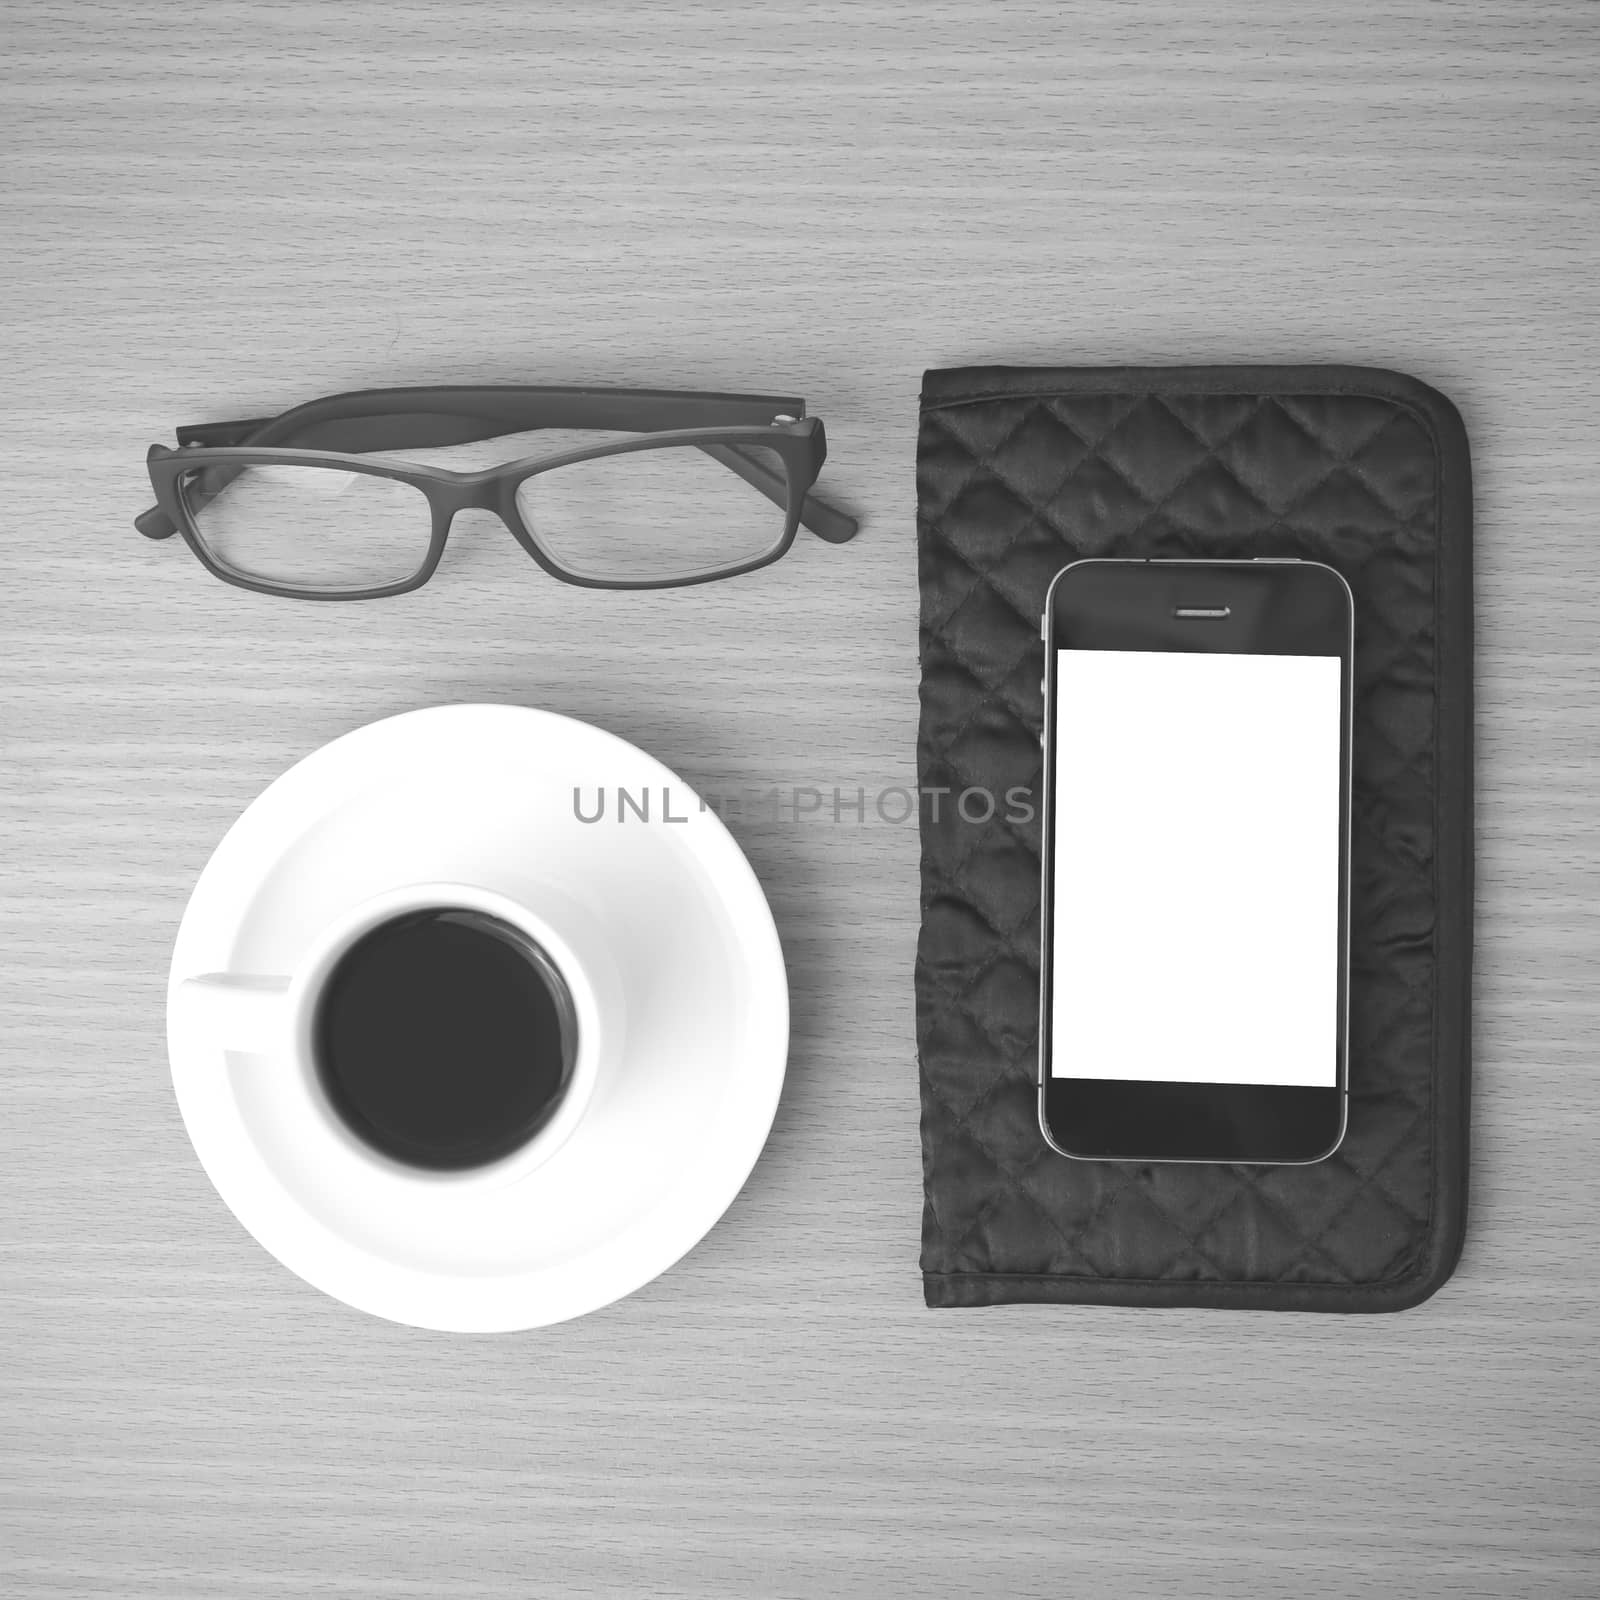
point(223, 211)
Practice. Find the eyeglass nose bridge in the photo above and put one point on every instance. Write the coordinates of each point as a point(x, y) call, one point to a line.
point(468, 492)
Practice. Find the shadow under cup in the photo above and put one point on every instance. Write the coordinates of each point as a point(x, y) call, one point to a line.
point(445, 1038)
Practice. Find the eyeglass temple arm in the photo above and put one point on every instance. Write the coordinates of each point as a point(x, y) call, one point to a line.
point(823, 519)
point(155, 523)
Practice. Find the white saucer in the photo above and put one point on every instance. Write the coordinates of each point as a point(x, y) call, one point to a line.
point(484, 794)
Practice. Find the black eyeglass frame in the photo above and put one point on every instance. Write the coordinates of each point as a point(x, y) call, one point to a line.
point(326, 432)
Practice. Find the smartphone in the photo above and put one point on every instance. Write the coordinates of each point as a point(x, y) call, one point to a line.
point(1196, 832)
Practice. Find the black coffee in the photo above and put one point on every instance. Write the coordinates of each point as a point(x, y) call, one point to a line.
point(445, 1038)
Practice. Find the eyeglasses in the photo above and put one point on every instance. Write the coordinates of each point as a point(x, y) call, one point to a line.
point(644, 489)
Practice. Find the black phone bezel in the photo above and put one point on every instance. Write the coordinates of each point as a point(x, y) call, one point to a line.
point(1273, 607)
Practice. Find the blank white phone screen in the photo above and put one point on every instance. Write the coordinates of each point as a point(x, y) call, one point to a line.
point(1196, 882)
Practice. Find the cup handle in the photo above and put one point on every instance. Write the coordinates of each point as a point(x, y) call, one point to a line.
point(236, 1012)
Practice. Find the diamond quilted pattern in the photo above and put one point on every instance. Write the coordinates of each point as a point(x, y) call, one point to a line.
point(1014, 481)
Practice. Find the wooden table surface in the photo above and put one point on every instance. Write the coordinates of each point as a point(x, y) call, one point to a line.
point(221, 211)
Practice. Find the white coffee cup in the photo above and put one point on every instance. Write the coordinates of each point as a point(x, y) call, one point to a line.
point(272, 1016)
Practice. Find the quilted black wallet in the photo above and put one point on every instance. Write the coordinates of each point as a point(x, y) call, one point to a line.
point(1020, 471)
